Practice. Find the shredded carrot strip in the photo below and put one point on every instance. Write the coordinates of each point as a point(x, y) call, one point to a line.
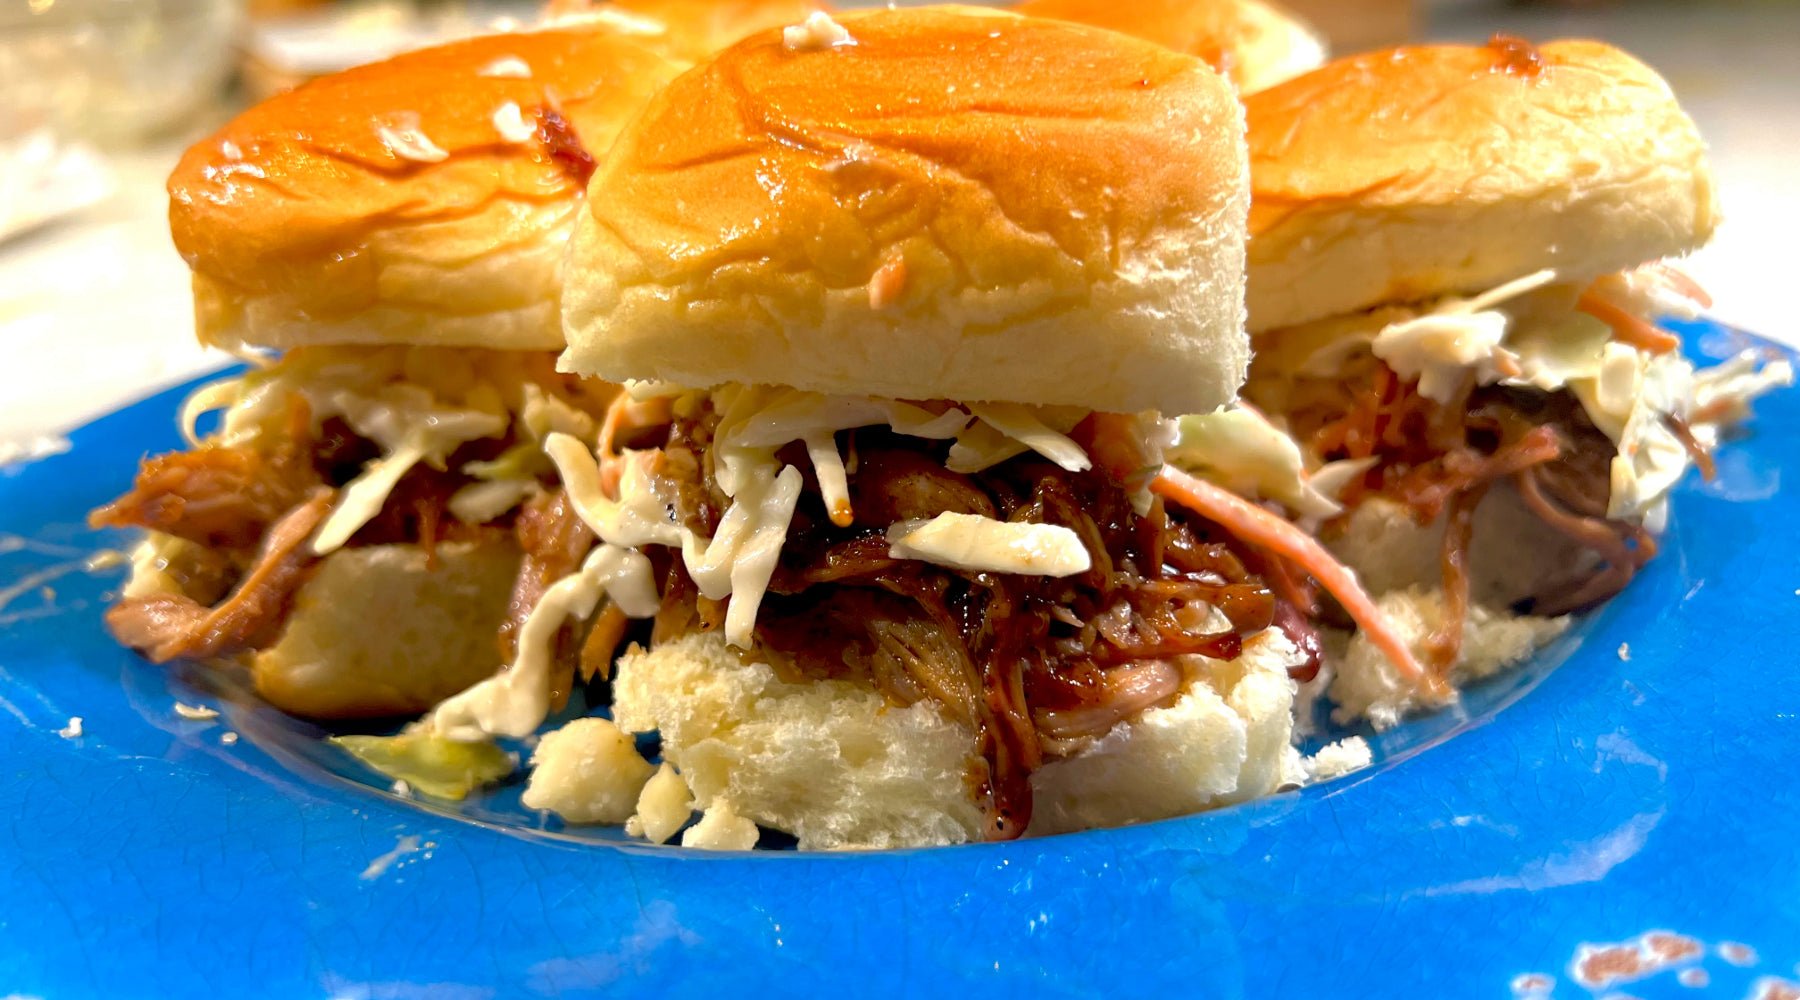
point(611, 468)
point(624, 414)
point(1627, 329)
point(1264, 530)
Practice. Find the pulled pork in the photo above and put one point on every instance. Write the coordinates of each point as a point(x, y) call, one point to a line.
point(168, 626)
point(1441, 459)
point(253, 508)
point(1037, 666)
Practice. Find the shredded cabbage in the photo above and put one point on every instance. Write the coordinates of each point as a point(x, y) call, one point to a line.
point(1543, 343)
point(410, 428)
point(755, 422)
point(1028, 428)
point(481, 502)
point(1241, 450)
point(984, 545)
point(209, 397)
point(431, 764)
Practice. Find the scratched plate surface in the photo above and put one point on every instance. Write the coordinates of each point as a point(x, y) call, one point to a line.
point(1603, 822)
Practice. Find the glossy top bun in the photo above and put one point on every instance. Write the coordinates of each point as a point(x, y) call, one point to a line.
point(925, 203)
point(421, 200)
point(1255, 44)
point(1433, 170)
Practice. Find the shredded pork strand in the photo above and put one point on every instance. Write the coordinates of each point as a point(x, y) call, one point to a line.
point(1438, 459)
point(169, 626)
point(1444, 646)
point(217, 496)
point(236, 501)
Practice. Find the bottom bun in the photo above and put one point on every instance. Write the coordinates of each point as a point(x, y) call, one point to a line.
point(837, 766)
point(375, 632)
point(831, 762)
point(1365, 684)
point(1226, 738)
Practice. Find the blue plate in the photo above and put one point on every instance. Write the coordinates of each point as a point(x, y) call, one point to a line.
point(1621, 815)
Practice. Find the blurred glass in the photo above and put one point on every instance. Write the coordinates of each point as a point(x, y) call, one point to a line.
point(113, 71)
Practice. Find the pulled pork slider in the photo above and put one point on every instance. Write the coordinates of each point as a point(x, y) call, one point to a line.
point(387, 244)
point(1456, 265)
point(1255, 44)
point(900, 298)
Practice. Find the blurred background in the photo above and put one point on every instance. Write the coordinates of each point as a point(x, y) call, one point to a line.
point(98, 98)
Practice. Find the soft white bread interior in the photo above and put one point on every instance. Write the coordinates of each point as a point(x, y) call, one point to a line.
point(1227, 737)
point(837, 766)
point(1365, 684)
point(1418, 172)
point(1255, 44)
point(1512, 555)
point(929, 203)
point(830, 762)
point(378, 632)
point(421, 200)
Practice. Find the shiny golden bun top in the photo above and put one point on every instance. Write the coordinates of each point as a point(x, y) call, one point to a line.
point(425, 199)
point(925, 203)
point(1431, 170)
point(1255, 44)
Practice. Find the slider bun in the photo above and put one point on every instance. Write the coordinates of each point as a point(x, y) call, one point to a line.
point(962, 204)
point(837, 766)
point(1425, 171)
point(304, 227)
point(1255, 44)
point(376, 632)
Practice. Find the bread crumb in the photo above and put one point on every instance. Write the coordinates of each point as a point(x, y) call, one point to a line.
point(1334, 760)
point(818, 31)
point(1367, 686)
point(588, 771)
point(228, 739)
point(721, 829)
point(1625, 652)
point(401, 788)
point(1741, 955)
point(72, 731)
point(196, 713)
point(662, 807)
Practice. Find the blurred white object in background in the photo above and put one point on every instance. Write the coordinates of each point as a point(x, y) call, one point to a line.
point(112, 71)
point(42, 177)
point(286, 50)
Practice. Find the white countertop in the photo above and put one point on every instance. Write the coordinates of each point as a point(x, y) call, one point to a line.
point(94, 311)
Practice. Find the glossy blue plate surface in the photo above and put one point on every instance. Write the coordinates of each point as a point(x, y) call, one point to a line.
point(1638, 777)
